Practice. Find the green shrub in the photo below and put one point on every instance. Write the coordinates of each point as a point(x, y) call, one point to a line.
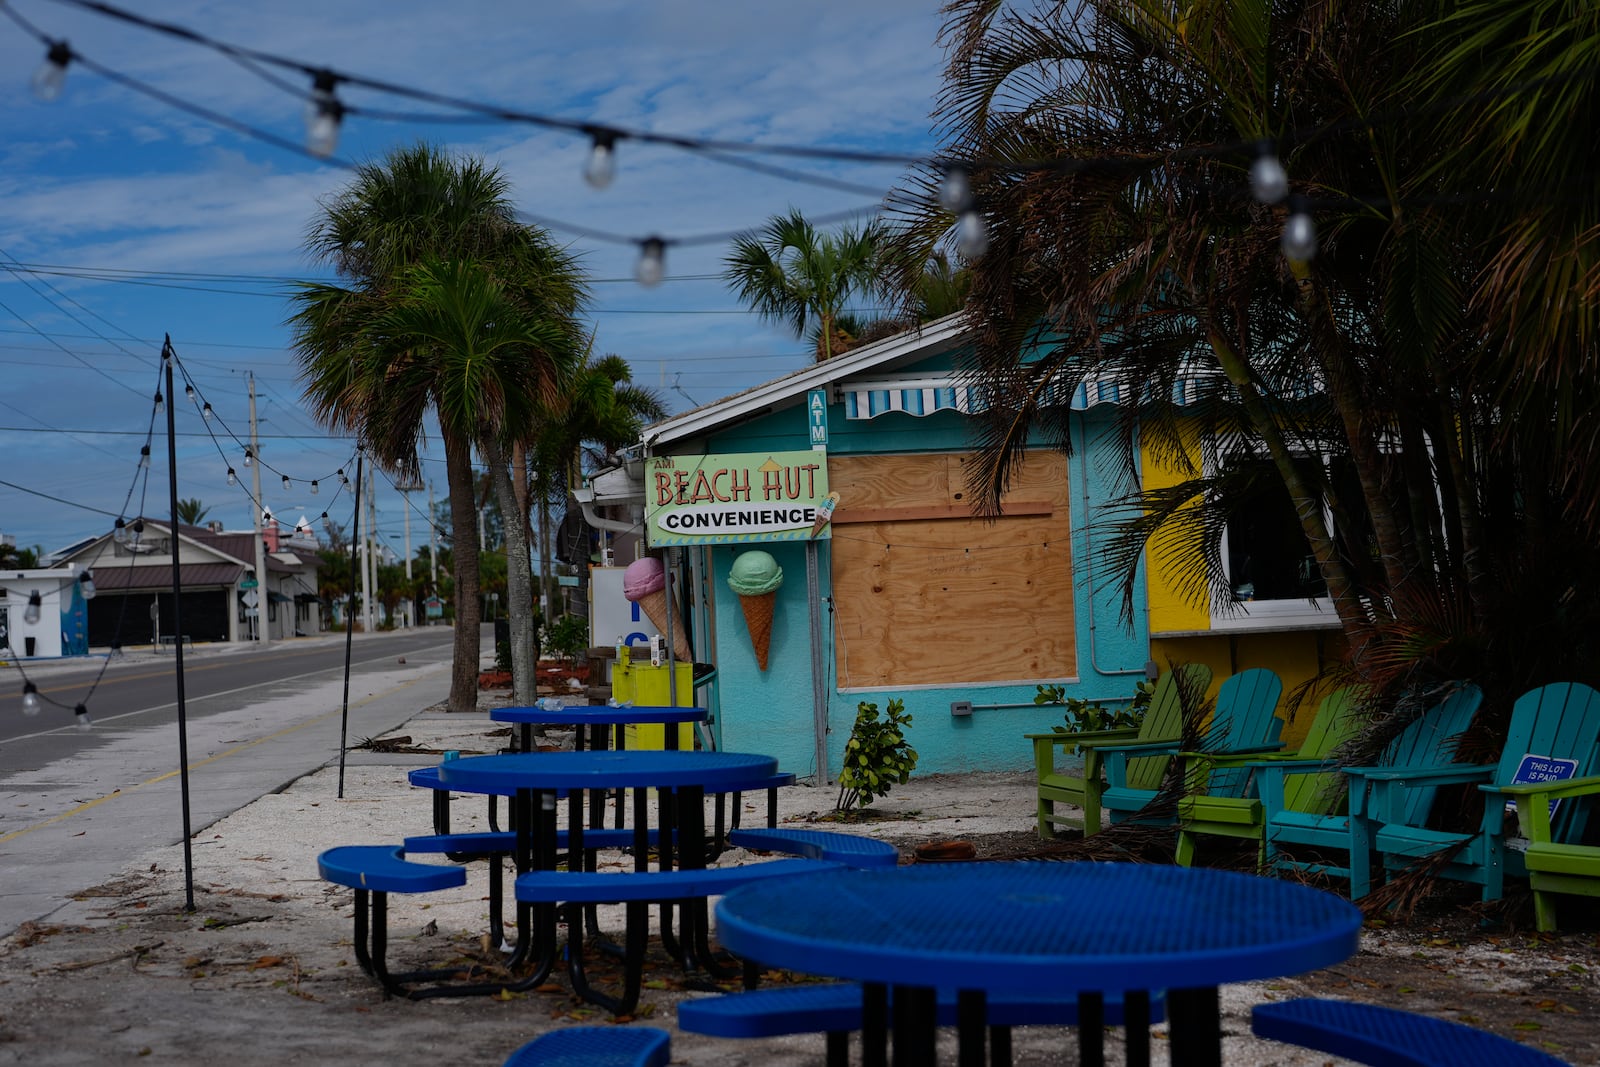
point(876, 756)
point(568, 637)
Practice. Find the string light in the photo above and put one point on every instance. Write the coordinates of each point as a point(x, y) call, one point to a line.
point(1269, 182)
point(188, 393)
point(972, 236)
point(119, 530)
point(233, 479)
point(266, 518)
point(136, 531)
point(601, 168)
point(81, 714)
point(31, 612)
point(287, 484)
point(30, 699)
point(51, 76)
point(249, 456)
point(86, 585)
point(161, 403)
point(324, 113)
point(1299, 233)
point(206, 412)
point(313, 487)
point(144, 456)
point(342, 479)
point(652, 265)
point(955, 191)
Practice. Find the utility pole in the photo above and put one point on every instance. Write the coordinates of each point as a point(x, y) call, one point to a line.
point(263, 591)
point(406, 489)
point(433, 543)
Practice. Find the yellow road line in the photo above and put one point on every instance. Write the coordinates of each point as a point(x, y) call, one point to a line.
point(97, 801)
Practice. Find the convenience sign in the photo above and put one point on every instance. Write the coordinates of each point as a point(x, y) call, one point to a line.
point(735, 499)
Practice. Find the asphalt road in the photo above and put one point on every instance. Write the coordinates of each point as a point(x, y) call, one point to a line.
point(77, 807)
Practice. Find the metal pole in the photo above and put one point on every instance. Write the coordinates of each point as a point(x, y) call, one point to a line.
point(177, 624)
point(405, 509)
point(350, 621)
point(433, 544)
point(819, 695)
point(263, 589)
point(366, 556)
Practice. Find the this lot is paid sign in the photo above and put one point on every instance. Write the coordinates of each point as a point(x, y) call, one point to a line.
point(733, 499)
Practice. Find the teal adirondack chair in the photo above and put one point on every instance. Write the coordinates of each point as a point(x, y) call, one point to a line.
point(1428, 741)
point(1244, 721)
point(1559, 722)
point(1202, 813)
point(1080, 784)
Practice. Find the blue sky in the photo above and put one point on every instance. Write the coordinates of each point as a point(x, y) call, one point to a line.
point(107, 180)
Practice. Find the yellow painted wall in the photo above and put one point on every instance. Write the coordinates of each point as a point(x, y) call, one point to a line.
point(1169, 608)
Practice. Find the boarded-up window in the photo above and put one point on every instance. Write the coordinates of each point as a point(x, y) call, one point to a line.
point(925, 594)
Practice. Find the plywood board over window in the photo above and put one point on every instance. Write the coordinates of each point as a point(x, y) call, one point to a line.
point(926, 594)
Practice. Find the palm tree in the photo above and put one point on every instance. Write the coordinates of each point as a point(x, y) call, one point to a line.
point(600, 406)
point(491, 363)
point(1416, 349)
point(791, 274)
point(416, 204)
point(192, 512)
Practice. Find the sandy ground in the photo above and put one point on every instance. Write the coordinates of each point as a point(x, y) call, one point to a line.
point(262, 972)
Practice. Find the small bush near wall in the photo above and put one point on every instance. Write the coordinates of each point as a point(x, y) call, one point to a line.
point(877, 755)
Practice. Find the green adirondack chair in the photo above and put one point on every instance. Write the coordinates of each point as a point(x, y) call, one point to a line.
point(1201, 812)
point(1244, 720)
point(1079, 783)
point(1428, 741)
point(1555, 723)
point(1555, 867)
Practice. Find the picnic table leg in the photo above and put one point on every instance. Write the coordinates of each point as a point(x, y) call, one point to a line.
point(1136, 1023)
point(1091, 1029)
point(1000, 1046)
point(916, 1024)
point(1195, 1027)
point(972, 1017)
point(874, 1025)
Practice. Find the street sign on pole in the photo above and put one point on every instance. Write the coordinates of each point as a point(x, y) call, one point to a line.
point(251, 599)
point(249, 583)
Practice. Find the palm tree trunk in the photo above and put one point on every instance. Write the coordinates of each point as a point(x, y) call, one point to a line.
point(519, 575)
point(464, 530)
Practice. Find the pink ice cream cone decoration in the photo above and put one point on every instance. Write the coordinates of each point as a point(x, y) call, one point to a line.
point(645, 583)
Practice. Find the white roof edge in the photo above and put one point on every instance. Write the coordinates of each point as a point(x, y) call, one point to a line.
point(709, 416)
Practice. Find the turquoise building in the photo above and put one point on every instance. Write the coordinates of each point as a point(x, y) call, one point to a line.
point(907, 594)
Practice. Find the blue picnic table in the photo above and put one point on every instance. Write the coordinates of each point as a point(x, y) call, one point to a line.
point(1083, 929)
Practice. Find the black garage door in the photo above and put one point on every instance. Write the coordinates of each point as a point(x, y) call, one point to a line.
point(205, 617)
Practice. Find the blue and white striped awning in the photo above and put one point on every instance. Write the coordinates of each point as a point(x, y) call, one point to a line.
point(867, 399)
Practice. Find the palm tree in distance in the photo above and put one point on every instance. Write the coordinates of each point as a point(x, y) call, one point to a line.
point(418, 204)
point(192, 512)
point(790, 273)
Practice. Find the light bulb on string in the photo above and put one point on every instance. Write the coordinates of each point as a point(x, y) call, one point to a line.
point(342, 479)
point(1299, 241)
point(233, 479)
point(86, 585)
point(652, 266)
point(31, 612)
point(161, 403)
point(955, 191)
point(249, 457)
point(51, 77)
point(601, 167)
point(136, 531)
point(206, 412)
point(324, 113)
point(313, 487)
point(1269, 182)
point(188, 392)
point(119, 530)
point(31, 704)
point(81, 715)
point(144, 456)
point(287, 484)
point(266, 518)
point(972, 236)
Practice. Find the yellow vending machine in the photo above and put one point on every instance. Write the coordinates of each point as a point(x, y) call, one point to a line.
point(640, 683)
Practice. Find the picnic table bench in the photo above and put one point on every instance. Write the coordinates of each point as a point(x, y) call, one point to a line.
point(1388, 1037)
point(596, 1046)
